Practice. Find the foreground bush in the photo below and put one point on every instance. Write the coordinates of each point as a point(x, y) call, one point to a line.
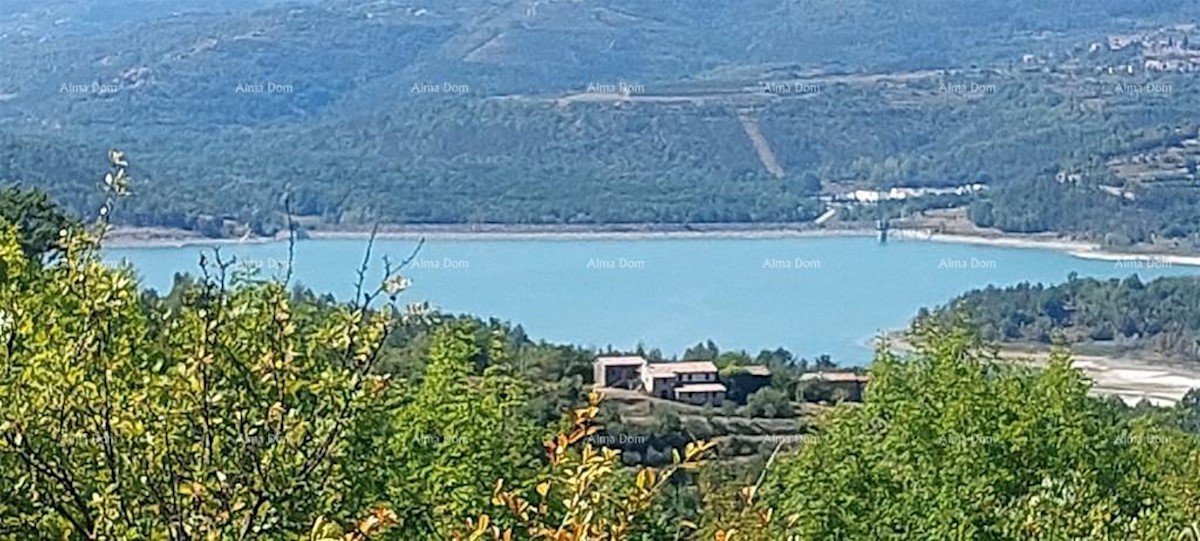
point(584, 497)
point(222, 418)
point(951, 444)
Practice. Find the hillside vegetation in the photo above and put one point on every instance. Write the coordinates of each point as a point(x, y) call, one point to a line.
point(236, 410)
point(1162, 316)
point(424, 113)
point(239, 407)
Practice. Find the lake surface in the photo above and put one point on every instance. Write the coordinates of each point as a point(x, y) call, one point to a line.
point(810, 295)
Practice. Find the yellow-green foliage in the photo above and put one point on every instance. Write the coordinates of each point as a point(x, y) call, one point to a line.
point(222, 419)
point(582, 498)
point(435, 452)
point(232, 411)
point(952, 444)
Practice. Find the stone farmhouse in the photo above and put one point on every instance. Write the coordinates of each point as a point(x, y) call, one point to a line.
point(693, 382)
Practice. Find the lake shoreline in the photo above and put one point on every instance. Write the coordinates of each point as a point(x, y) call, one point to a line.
point(1131, 376)
point(826, 295)
point(140, 238)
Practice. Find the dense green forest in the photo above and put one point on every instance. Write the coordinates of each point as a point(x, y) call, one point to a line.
point(480, 161)
point(355, 135)
point(1161, 316)
point(39, 219)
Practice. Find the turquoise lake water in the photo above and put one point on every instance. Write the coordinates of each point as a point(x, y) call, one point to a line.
point(810, 295)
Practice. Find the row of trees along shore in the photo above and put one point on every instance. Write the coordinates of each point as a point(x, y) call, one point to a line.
point(1161, 316)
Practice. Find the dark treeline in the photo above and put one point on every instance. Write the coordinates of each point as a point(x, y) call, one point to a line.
point(457, 160)
point(39, 218)
point(1161, 316)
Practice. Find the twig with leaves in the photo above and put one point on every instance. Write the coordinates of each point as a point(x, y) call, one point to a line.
point(581, 500)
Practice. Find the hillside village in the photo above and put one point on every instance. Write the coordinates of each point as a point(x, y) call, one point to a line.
point(1166, 49)
point(701, 383)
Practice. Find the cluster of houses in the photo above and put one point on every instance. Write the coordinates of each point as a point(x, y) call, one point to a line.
point(1166, 49)
point(697, 382)
point(694, 382)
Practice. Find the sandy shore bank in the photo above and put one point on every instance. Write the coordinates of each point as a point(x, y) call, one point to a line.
point(1133, 380)
point(1160, 381)
point(140, 238)
point(158, 238)
point(602, 235)
point(1080, 249)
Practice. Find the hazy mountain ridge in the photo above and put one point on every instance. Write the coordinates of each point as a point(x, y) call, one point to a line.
point(542, 45)
point(420, 111)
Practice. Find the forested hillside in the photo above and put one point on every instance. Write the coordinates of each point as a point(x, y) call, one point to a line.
point(1162, 316)
point(618, 112)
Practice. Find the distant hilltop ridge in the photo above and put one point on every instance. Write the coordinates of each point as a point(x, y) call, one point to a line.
point(599, 115)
